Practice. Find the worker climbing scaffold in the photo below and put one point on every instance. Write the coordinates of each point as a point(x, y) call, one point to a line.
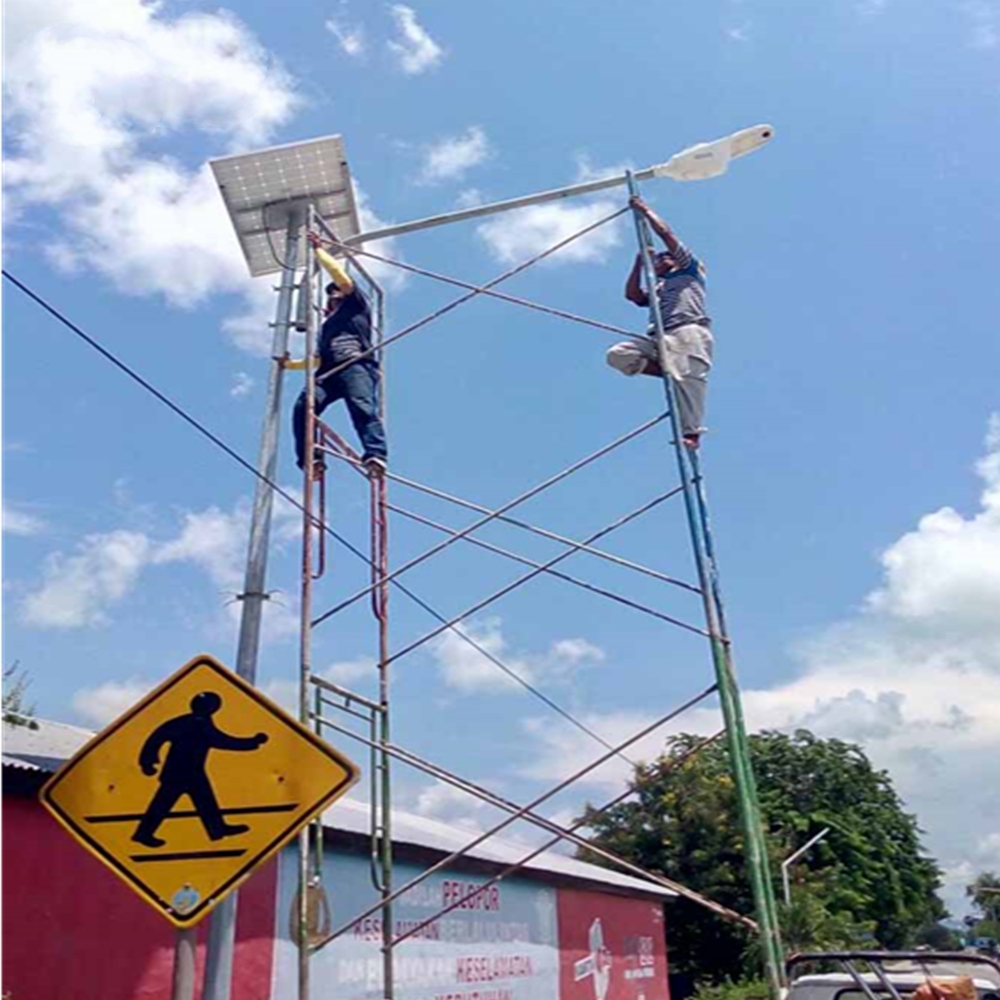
point(687, 328)
point(348, 370)
point(678, 348)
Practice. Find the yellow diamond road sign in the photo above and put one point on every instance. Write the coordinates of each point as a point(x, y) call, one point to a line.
point(192, 788)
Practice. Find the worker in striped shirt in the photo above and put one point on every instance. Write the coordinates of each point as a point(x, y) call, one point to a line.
point(680, 291)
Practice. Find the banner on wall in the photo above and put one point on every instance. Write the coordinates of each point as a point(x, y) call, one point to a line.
point(516, 940)
point(500, 944)
point(611, 947)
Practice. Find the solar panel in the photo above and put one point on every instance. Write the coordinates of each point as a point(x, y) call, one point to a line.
point(258, 187)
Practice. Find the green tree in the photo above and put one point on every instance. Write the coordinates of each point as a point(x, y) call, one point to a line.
point(937, 937)
point(985, 895)
point(868, 879)
point(16, 710)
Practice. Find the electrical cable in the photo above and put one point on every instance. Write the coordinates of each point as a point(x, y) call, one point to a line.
point(232, 453)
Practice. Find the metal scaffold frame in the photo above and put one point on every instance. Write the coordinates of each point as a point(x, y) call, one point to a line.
point(280, 193)
point(317, 694)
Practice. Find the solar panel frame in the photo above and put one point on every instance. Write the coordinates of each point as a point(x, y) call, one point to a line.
point(258, 187)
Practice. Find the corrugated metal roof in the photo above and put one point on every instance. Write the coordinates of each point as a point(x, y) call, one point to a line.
point(44, 747)
point(47, 747)
point(351, 815)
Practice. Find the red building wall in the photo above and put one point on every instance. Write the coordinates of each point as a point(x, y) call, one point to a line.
point(73, 931)
point(631, 964)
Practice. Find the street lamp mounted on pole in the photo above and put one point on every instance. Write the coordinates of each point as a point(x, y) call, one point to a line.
point(706, 159)
point(792, 858)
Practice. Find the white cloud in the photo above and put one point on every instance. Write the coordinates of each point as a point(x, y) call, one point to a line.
point(512, 236)
point(350, 37)
point(452, 157)
point(469, 198)
point(392, 279)
point(415, 50)
point(242, 384)
point(76, 590)
point(563, 750)
point(92, 91)
point(350, 671)
point(102, 704)
point(345, 672)
point(985, 22)
point(250, 329)
point(738, 33)
point(467, 670)
point(90, 88)
point(21, 522)
point(915, 678)
point(448, 804)
point(213, 539)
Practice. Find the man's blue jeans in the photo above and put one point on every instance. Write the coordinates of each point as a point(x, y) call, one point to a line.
point(358, 387)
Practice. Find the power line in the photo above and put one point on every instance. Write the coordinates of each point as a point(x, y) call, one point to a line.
point(235, 455)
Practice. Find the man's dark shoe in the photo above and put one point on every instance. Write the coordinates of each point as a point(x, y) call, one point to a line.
point(148, 840)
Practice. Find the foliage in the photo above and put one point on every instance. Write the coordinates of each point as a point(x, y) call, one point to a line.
point(985, 895)
point(16, 711)
point(937, 937)
point(867, 879)
point(742, 989)
point(808, 924)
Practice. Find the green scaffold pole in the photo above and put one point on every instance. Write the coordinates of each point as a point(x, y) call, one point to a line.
point(696, 508)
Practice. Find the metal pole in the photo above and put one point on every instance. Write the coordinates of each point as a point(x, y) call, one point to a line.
point(792, 858)
point(503, 824)
point(222, 926)
point(380, 601)
point(763, 891)
point(738, 144)
point(184, 961)
point(306, 311)
point(589, 187)
point(493, 515)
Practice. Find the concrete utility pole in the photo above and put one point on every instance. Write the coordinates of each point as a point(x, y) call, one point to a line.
point(222, 926)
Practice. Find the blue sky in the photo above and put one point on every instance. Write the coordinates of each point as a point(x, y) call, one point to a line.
point(853, 464)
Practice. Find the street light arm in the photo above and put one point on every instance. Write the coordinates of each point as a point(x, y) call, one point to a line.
point(792, 858)
point(696, 163)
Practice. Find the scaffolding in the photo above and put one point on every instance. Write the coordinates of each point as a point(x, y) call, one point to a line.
point(331, 707)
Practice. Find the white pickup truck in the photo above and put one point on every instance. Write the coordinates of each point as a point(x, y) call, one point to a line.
point(886, 975)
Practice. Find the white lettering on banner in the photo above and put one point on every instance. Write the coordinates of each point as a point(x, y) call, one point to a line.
point(370, 929)
point(468, 896)
point(640, 973)
point(468, 931)
point(484, 968)
point(640, 947)
point(479, 931)
point(410, 971)
point(477, 995)
point(425, 895)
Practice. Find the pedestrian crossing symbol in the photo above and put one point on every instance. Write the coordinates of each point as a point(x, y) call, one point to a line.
point(190, 790)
